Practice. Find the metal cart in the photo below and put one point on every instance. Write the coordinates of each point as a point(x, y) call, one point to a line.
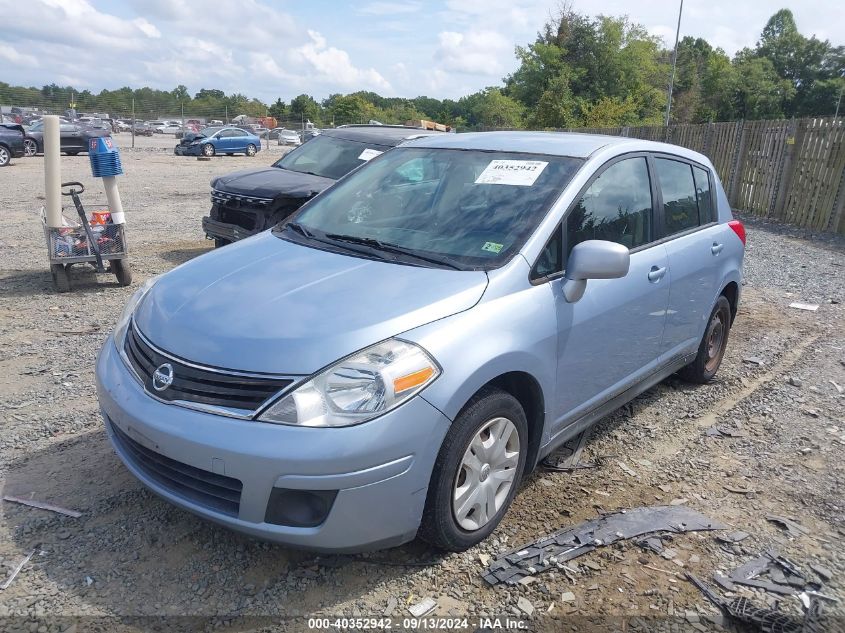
point(92, 243)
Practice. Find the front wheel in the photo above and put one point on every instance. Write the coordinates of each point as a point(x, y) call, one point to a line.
point(121, 270)
point(5, 156)
point(711, 350)
point(220, 242)
point(30, 148)
point(61, 277)
point(250, 150)
point(208, 150)
point(477, 472)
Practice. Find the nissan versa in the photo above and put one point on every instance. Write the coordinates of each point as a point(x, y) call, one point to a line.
point(393, 359)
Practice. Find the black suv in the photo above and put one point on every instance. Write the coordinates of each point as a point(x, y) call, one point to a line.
point(247, 202)
point(11, 142)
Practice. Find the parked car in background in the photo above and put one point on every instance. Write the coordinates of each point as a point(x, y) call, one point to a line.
point(247, 202)
point(143, 129)
point(307, 135)
point(11, 142)
point(398, 356)
point(219, 140)
point(169, 128)
point(122, 125)
point(288, 137)
point(73, 137)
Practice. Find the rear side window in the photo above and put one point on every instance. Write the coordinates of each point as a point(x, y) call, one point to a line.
point(680, 204)
point(702, 193)
point(616, 207)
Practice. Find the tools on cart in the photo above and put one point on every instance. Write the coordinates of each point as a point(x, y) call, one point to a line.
point(95, 239)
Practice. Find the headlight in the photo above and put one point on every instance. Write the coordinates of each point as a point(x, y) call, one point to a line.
point(358, 388)
point(126, 316)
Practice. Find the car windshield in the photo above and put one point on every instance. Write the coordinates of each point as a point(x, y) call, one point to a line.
point(210, 131)
point(465, 209)
point(329, 156)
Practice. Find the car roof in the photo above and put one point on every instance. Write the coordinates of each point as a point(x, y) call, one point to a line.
point(379, 134)
point(571, 144)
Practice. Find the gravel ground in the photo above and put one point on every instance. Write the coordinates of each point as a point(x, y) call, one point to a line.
point(131, 557)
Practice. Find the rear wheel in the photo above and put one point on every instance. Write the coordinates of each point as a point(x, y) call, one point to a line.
point(30, 148)
point(61, 277)
point(121, 270)
point(711, 350)
point(477, 472)
point(208, 150)
point(250, 150)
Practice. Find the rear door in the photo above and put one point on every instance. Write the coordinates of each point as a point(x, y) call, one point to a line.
point(70, 138)
point(694, 241)
point(611, 338)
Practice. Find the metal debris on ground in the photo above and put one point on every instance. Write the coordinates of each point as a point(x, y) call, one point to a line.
point(810, 307)
point(754, 360)
point(724, 431)
point(732, 537)
point(567, 457)
point(555, 549)
point(423, 608)
point(42, 506)
point(773, 573)
point(790, 526)
point(16, 570)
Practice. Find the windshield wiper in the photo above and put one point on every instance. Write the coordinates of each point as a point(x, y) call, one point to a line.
point(296, 226)
point(391, 248)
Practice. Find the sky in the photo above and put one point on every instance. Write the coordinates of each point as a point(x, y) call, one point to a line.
point(281, 48)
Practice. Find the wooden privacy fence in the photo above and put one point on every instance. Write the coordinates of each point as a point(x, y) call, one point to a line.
point(789, 170)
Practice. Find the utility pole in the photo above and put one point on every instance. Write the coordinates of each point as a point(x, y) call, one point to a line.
point(133, 122)
point(674, 63)
point(838, 103)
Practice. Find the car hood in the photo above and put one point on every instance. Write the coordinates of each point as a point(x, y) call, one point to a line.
point(271, 182)
point(268, 305)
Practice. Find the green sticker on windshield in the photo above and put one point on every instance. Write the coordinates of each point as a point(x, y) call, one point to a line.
point(493, 247)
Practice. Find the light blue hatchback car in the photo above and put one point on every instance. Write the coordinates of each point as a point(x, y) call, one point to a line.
point(392, 360)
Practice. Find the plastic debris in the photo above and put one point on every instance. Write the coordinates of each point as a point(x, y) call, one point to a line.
point(16, 570)
point(42, 506)
point(810, 307)
point(555, 549)
point(423, 608)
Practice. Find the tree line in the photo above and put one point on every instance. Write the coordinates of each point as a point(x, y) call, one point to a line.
point(580, 71)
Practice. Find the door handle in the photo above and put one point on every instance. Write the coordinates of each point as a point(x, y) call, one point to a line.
point(656, 273)
point(716, 248)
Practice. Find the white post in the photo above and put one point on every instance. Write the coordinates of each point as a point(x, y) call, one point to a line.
point(52, 171)
point(113, 197)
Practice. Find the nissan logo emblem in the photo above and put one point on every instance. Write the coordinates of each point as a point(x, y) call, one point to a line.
point(163, 377)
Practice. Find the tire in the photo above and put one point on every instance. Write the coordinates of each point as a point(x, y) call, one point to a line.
point(208, 150)
point(5, 156)
point(61, 277)
point(711, 350)
point(220, 242)
point(250, 150)
point(121, 270)
point(71, 153)
point(442, 526)
point(229, 154)
point(30, 147)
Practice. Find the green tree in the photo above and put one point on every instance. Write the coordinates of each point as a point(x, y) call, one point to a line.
point(493, 109)
point(306, 108)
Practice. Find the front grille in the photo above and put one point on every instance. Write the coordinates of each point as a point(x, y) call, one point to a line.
point(210, 490)
point(205, 386)
point(244, 219)
point(236, 200)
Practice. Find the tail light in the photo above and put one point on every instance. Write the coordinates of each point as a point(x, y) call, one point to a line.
point(739, 229)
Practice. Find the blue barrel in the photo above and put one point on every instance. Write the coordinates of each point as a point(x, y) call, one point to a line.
point(104, 157)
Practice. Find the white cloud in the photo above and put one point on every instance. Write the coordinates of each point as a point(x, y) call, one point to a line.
point(474, 52)
point(12, 56)
point(146, 28)
point(334, 65)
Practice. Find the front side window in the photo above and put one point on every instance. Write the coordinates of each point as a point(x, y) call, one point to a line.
point(473, 209)
point(680, 204)
point(617, 207)
point(329, 156)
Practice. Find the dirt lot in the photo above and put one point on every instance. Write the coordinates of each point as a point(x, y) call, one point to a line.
point(131, 555)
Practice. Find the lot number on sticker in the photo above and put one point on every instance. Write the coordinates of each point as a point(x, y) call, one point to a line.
point(521, 173)
point(493, 247)
point(368, 154)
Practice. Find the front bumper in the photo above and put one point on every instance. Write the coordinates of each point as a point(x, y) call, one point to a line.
point(380, 469)
point(224, 230)
point(187, 150)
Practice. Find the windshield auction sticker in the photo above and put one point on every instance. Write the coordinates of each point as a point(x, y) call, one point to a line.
point(521, 173)
point(368, 154)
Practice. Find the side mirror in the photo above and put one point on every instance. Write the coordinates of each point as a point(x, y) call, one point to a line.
point(593, 259)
